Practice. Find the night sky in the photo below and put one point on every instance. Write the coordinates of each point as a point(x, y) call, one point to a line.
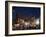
point(26, 11)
